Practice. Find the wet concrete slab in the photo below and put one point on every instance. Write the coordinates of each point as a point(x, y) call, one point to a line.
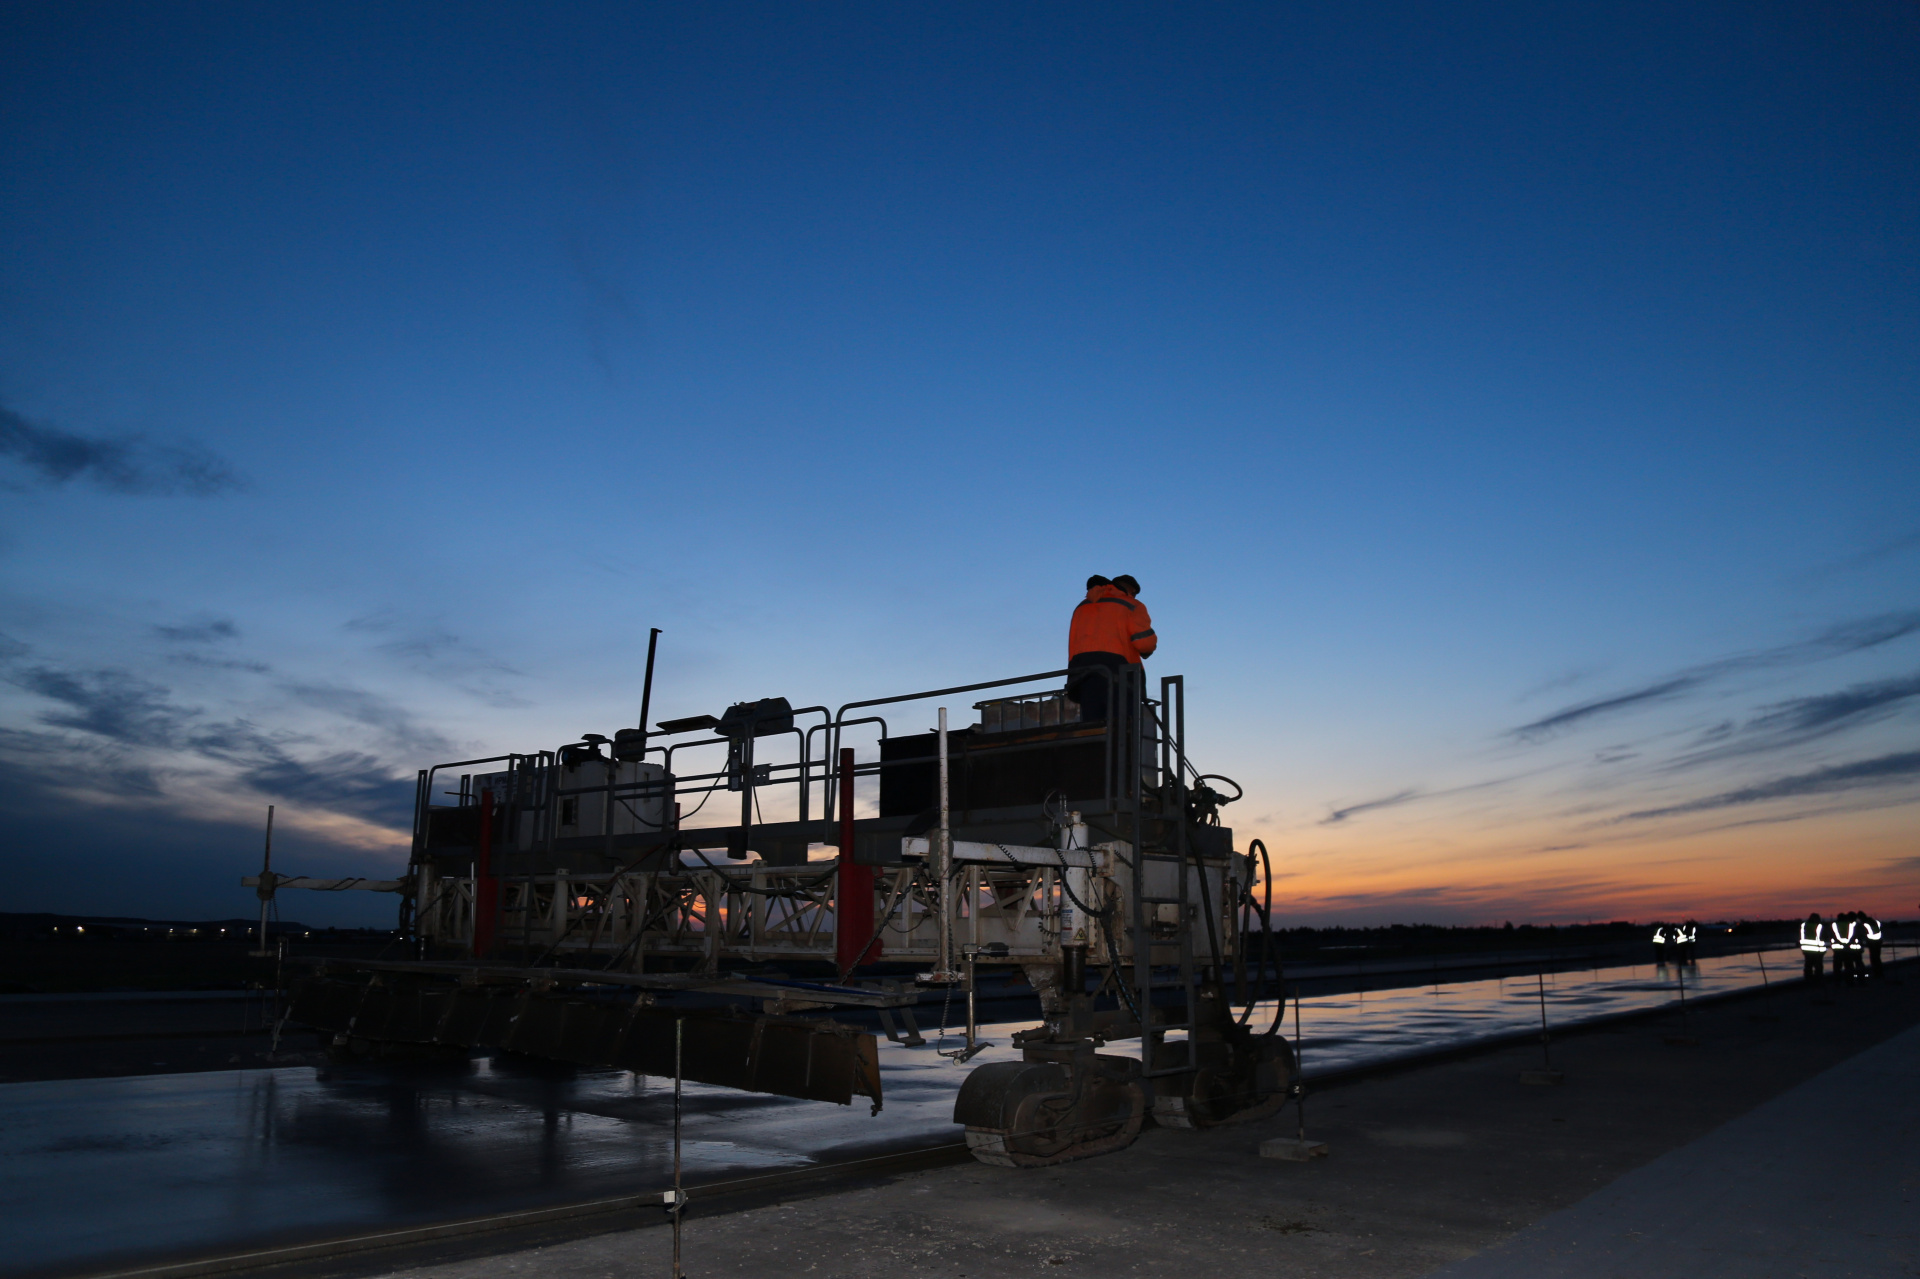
point(81, 1035)
point(1427, 1168)
point(1343, 1031)
point(203, 1163)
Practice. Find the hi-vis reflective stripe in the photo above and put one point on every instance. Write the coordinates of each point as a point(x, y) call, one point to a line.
point(1141, 634)
point(1813, 943)
point(1873, 930)
point(1843, 939)
point(1659, 936)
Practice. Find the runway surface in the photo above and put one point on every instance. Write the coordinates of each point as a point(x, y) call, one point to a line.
point(1822, 1180)
point(101, 1173)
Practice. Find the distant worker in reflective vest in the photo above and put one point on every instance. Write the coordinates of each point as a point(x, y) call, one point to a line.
point(1661, 939)
point(1842, 942)
point(1111, 631)
point(1813, 948)
point(1689, 934)
point(1872, 931)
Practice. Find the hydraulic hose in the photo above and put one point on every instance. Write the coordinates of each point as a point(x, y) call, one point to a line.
point(1265, 912)
point(1113, 950)
point(1238, 791)
point(1206, 907)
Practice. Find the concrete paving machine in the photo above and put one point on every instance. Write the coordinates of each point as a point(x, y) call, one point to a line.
point(570, 904)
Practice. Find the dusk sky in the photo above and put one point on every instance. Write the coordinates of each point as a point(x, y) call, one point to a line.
point(1511, 412)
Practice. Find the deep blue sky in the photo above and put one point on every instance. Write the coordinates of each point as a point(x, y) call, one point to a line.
point(375, 376)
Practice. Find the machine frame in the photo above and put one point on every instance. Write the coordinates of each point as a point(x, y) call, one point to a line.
point(562, 906)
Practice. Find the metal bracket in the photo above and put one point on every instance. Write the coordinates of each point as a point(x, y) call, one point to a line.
point(912, 1039)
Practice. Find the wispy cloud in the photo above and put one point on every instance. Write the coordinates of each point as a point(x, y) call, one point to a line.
point(127, 464)
point(113, 704)
point(1874, 555)
point(1537, 898)
point(204, 631)
point(1783, 725)
point(218, 663)
point(1841, 639)
point(128, 736)
point(58, 762)
point(1339, 815)
point(1554, 685)
point(239, 741)
point(1805, 717)
point(1836, 641)
point(432, 649)
point(1571, 715)
point(1409, 795)
point(1881, 770)
point(348, 782)
point(373, 711)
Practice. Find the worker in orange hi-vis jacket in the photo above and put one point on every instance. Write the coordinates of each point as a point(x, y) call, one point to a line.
point(1111, 631)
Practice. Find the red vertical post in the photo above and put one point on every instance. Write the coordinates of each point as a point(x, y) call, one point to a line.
point(853, 895)
point(486, 887)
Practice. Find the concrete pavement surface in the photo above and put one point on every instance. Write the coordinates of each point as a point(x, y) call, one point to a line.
point(1429, 1167)
point(1824, 1180)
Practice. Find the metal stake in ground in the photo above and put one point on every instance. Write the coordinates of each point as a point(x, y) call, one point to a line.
point(1546, 1074)
point(676, 1198)
point(1299, 1069)
point(280, 1005)
point(1686, 1033)
point(265, 891)
point(1546, 1062)
point(1297, 1148)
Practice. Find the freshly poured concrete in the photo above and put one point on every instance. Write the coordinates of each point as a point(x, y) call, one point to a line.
point(1429, 1168)
point(212, 1162)
point(204, 1162)
point(1342, 1031)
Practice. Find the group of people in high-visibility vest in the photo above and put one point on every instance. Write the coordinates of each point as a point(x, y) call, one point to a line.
point(1853, 939)
point(1675, 942)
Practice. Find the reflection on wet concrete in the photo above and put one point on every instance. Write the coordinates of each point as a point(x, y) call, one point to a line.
point(1341, 1031)
point(99, 1171)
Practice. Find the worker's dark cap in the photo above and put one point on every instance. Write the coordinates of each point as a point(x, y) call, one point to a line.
point(1126, 583)
point(1097, 580)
